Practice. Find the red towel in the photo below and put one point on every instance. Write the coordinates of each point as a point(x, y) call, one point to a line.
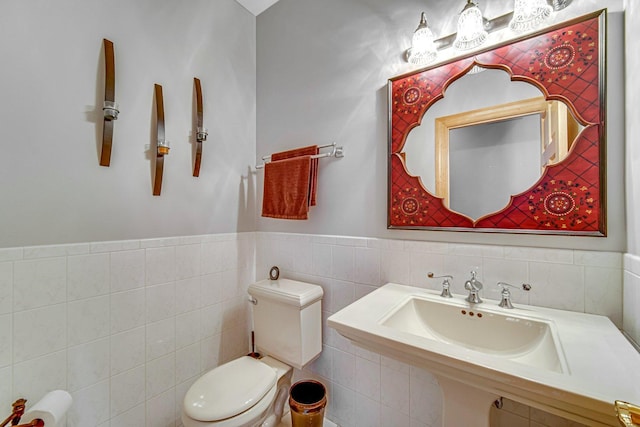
point(286, 188)
point(303, 151)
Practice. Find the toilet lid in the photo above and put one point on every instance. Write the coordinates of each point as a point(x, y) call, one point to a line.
point(229, 389)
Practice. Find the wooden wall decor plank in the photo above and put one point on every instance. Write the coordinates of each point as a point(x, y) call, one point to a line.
point(109, 107)
point(201, 134)
point(160, 137)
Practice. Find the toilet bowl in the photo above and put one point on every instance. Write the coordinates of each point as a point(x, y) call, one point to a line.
point(245, 392)
point(248, 392)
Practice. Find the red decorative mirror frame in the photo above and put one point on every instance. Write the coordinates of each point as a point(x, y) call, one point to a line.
point(566, 63)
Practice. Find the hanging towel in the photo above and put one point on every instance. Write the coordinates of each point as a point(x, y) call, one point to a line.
point(286, 188)
point(303, 151)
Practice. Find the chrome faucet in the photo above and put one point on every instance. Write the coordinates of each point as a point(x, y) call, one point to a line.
point(505, 300)
point(474, 286)
point(446, 284)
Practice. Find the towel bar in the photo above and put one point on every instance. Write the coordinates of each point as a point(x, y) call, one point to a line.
point(335, 152)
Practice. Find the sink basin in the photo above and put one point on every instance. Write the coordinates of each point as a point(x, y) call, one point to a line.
point(515, 337)
point(570, 364)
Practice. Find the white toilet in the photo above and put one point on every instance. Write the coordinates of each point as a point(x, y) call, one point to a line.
point(248, 392)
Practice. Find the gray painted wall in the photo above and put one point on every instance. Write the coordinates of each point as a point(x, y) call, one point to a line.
point(322, 75)
point(322, 71)
point(631, 298)
point(495, 160)
point(632, 26)
point(52, 80)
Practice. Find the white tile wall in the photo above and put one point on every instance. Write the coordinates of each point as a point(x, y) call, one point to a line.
point(368, 389)
point(128, 326)
point(125, 326)
point(632, 297)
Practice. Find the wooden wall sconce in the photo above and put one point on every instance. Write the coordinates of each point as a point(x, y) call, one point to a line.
point(162, 145)
point(110, 107)
point(201, 132)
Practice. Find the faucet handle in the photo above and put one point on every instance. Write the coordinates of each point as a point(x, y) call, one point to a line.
point(473, 284)
point(524, 286)
point(505, 300)
point(446, 284)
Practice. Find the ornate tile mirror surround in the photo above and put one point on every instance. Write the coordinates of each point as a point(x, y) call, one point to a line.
point(567, 196)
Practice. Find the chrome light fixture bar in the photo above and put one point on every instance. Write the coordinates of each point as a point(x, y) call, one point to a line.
point(490, 25)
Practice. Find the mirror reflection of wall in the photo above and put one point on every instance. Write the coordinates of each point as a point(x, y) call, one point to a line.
point(505, 133)
point(471, 92)
point(492, 161)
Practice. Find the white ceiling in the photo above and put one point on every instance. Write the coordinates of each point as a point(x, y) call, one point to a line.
point(256, 6)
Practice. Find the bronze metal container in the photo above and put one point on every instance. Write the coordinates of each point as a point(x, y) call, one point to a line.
point(307, 400)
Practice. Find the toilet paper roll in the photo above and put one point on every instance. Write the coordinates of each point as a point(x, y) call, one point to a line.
point(50, 409)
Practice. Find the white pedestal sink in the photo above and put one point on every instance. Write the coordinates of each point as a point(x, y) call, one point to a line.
point(464, 405)
point(521, 338)
point(570, 364)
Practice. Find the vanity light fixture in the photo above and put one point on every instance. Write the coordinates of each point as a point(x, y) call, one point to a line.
point(473, 28)
point(423, 49)
point(530, 14)
point(471, 32)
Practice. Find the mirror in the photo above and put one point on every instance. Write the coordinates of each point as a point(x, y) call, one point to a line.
point(511, 139)
point(488, 135)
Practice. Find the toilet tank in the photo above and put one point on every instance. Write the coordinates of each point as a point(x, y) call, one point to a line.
point(287, 319)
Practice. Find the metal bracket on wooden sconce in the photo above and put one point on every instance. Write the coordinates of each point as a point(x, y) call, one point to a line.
point(162, 145)
point(109, 107)
point(201, 132)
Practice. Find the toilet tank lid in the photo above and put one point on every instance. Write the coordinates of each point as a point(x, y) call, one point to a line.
point(287, 291)
point(229, 389)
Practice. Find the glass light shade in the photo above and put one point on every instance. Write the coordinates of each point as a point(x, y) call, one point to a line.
point(560, 4)
point(471, 32)
point(423, 48)
point(529, 14)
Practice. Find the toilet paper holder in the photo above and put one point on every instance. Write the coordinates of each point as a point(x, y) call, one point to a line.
point(18, 412)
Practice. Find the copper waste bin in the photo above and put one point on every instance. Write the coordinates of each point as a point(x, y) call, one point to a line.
point(307, 399)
